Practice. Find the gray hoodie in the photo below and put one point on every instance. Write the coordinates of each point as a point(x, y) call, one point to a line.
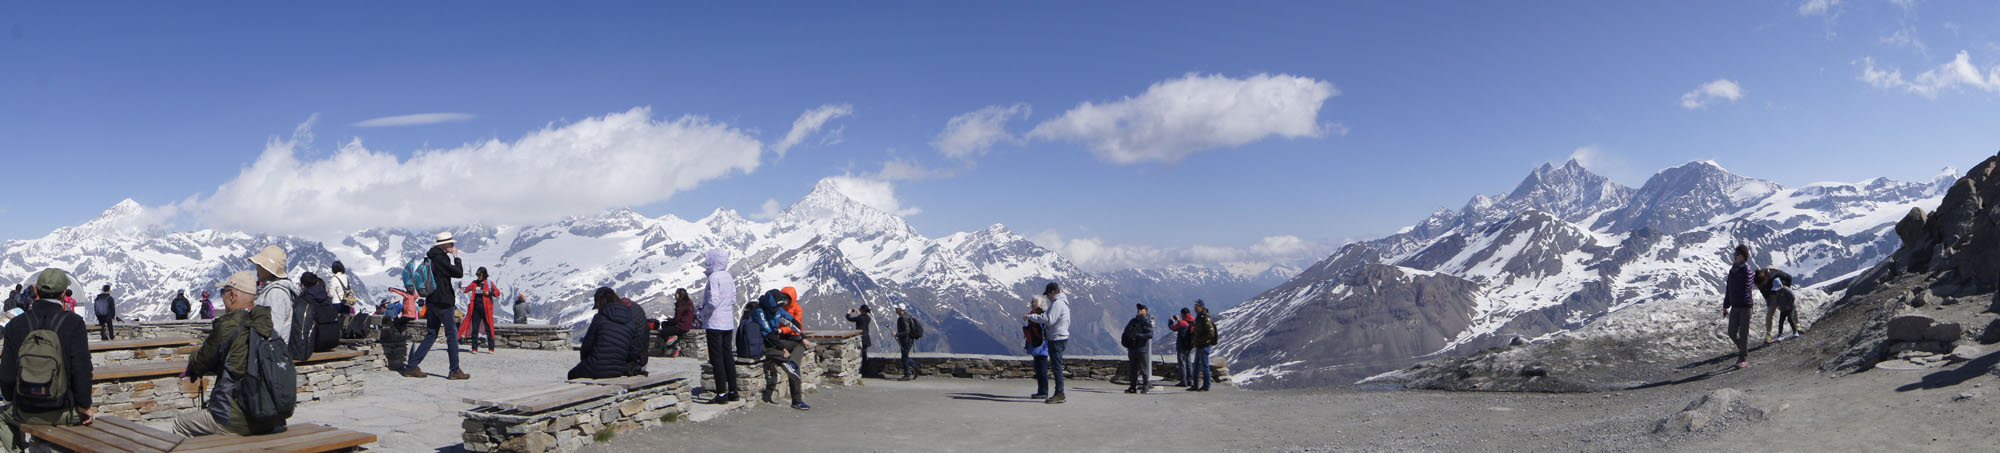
point(278, 295)
point(718, 300)
point(1055, 321)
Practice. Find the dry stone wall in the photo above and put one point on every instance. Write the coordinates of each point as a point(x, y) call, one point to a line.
point(570, 428)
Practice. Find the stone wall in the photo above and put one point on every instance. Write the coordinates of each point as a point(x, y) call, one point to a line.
point(141, 355)
point(532, 336)
point(164, 329)
point(834, 359)
point(694, 344)
point(571, 428)
point(160, 398)
point(1022, 367)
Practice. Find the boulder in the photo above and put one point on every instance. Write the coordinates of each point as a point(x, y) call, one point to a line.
point(1909, 327)
point(1703, 412)
point(1944, 332)
point(1911, 228)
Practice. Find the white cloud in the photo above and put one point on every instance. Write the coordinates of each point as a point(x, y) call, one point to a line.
point(620, 159)
point(1819, 7)
point(970, 134)
point(1096, 255)
point(875, 193)
point(1957, 75)
point(899, 169)
point(415, 119)
point(1710, 93)
point(1906, 38)
point(1178, 117)
point(769, 210)
point(809, 122)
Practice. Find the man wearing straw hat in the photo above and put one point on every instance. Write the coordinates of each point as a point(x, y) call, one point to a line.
point(274, 290)
point(439, 308)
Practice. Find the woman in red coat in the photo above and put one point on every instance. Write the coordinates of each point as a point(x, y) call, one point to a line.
point(478, 311)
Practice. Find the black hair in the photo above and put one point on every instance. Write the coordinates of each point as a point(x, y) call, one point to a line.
point(1742, 251)
point(310, 280)
point(481, 272)
point(1052, 289)
point(681, 294)
point(605, 296)
point(107, 288)
point(1184, 310)
point(866, 310)
point(339, 268)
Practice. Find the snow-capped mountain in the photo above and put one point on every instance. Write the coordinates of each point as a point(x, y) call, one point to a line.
point(968, 288)
point(1564, 248)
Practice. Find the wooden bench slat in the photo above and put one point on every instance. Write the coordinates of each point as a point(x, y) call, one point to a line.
point(559, 399)
point(141, 429)
point(135, 370)
point(332, 439)
point(629, 382)
point(476, 402)
point(133, 437)
point(77, 438)
point(98, 346)
point(233, 442)
point(336, 354)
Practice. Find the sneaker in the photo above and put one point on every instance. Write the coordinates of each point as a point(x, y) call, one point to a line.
point(734, 397)
point(414, 372)
point(1131, 390)
point(1058, 399)
point(458, 376)
point(1039, 396)
point(1742, 365)
point(768, 399)
point(801, 406)
point(1204, 388)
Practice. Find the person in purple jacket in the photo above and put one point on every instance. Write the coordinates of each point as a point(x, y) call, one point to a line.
point(1737, 301)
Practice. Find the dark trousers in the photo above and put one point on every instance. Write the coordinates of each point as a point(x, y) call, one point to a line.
point(104, 327)
point(1041, 374)
point(1141, 372)
point(776, 363)
point(722, 360)
point(867, 370)
point(477, 318)
point(1056, 348)
point(1739, 331)
point(447, 321)
point(395, 344)
point(909, 365)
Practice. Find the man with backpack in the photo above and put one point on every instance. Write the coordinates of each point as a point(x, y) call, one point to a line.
point(181, 306)
point(255, 383)
point(440, 308)
point(1055, 326)
point(1183, 326)
point(106, 309)
point(718, 317)
point(908, 331)
point(276, 292)
point(785, 343)
point(479, 312)
point(1137, 339)
point(45, 369)
point(1204, 341)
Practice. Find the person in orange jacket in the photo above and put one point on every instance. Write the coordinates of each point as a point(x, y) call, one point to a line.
point(479, 311)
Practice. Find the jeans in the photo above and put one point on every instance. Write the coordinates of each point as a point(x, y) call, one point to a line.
point(1056, 348)
point(722, 360)
point(104, 327)
point(909, 365)
point(1041, 375)
point(1141, 369)
point(1203, 374)
point(443, 319)
point(1184, 361)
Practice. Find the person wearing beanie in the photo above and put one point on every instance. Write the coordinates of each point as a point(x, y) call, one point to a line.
point(1137, 339)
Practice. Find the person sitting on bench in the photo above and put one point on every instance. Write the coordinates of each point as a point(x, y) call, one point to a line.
point(225, 353)
point(45, 364)
point(615, 345)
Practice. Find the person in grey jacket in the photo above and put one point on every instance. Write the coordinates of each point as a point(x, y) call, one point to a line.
point(717, 315)
point(1055, 325)
point(1138, 340)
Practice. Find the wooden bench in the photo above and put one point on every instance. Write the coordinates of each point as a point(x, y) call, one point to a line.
point(629, 382)
point(117, 435)
point(175, 367)
point(558, 397)
point(114, 345)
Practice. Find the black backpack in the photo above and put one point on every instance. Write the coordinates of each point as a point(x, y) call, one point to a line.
point(916, 329)
point(268, 390)
point(300, 339)
point(749, 336)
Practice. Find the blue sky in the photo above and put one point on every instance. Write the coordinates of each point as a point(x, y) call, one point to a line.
point(1395, 109)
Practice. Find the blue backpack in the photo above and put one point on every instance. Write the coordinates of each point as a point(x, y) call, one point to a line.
point(418, 277)
point(750, 335)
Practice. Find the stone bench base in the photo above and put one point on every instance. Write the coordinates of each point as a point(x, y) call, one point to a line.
point(160, 398)
point(570, 428)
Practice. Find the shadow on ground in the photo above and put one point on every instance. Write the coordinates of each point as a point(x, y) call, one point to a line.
point(1972, 369)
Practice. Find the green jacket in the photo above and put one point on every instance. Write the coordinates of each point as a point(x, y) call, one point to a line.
point(225, 347)
point(1204, 331)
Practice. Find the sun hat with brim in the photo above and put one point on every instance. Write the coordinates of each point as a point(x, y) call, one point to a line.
point(271, 259)
point(245, 281)
point(445, 239)
point(51, 281)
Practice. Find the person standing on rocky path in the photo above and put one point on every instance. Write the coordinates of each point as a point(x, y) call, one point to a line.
point(106, 309)
point(440, 307)
point(908, 331)
point(480, 311)
point(1038, 346)
point(1205, 339)
point(1138, 341)
point(1183, 327)
point(1780, 303)
point(1737, 301)
point(718, 318)
point(864, 321)
point(1056, 323)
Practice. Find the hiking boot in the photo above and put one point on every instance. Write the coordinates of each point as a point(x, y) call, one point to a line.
point(734, 397)
point(458, 376)
point(768, 399)
point(1058, 399)
point(801, 406)
point(414, 372)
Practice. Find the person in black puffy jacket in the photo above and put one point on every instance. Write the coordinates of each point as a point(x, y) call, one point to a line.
point(615, 345)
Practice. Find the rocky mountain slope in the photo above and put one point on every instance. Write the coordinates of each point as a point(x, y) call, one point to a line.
point(969, 288)
point(1564, 248)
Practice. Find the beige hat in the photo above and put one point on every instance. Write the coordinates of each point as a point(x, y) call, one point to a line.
point(271, 259)
point(445, 239)
point(245, 281)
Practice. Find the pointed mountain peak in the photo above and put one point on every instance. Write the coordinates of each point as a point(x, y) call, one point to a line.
point(850, 204)
point(722, 217)
point(998, 230)
point(126, 208)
